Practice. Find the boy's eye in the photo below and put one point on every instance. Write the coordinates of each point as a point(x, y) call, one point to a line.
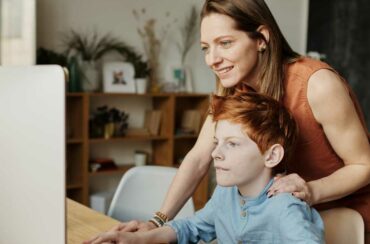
point(226, 44)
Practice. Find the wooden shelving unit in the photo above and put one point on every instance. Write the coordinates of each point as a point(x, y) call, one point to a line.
point(168, 149)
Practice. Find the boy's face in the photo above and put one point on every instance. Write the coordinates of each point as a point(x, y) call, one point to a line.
point(237, 159)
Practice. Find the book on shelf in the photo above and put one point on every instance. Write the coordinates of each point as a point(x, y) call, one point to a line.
point(152, 121)
point(190, 122)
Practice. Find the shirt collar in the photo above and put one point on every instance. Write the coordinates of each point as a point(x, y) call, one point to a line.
point(251, 201)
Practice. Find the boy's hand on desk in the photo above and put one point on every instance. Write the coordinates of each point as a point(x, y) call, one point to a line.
point(120, 234)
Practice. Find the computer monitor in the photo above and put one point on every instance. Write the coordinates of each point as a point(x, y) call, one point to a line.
point(32, 155)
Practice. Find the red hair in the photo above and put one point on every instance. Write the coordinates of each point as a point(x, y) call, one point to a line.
point(265, 120)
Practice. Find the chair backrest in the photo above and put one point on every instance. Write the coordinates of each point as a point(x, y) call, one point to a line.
point(343, 226)
point(141, 192)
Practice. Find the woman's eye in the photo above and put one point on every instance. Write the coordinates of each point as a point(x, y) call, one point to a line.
point(204, 49)
point(215, 143)
point(231, 144)
point(226, 44)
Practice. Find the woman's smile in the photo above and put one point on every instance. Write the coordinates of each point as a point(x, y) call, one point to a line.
point(223, 72)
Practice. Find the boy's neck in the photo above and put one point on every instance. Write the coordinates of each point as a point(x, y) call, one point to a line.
point(254, 187)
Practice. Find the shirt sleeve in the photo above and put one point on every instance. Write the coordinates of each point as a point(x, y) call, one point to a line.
point(300, 223)
point(201, 226)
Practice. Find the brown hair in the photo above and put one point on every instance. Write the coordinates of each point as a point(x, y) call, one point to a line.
point(248, 16)
point(265, 120)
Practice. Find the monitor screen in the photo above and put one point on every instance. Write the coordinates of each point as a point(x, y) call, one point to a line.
point(32, 155)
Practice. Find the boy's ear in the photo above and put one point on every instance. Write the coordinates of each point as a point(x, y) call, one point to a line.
point(274, 155)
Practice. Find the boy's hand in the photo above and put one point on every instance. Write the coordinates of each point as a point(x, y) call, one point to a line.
point(117, 233)
point(292, 183)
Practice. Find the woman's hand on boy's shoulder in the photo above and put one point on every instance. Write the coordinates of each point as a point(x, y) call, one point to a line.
point(293, 184)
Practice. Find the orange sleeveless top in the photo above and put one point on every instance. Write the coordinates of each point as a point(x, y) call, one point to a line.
point(314, 157)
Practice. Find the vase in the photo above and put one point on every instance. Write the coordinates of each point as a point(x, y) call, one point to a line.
point(188, 80)
point(90, 76)
point(109, 130)
point(74, 84)
point(184, 79)
point(141, 85)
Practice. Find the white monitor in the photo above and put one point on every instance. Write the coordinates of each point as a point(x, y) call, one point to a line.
point(32, 155)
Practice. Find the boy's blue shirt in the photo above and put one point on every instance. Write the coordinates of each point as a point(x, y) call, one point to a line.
point(231, 218)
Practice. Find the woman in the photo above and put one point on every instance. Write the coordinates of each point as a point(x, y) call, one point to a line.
point(246, 50)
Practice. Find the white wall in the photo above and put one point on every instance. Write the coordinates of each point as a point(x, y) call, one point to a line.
point(55, 17)
point(17, 32)
point(292, 17)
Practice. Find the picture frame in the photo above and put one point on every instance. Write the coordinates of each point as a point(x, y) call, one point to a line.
point(119, 77)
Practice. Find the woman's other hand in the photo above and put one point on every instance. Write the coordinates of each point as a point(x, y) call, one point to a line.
point(294, 184)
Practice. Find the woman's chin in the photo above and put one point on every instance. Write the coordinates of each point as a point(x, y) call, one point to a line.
point(228, 83)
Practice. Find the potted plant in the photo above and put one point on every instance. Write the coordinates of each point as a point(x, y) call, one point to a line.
point(90, 48)
point(108, 122)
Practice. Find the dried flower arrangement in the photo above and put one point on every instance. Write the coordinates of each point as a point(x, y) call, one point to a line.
point(152, 45)
point(188, 33)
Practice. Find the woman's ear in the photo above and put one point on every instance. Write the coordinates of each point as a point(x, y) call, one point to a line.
point(274, 155)
point(262, 43)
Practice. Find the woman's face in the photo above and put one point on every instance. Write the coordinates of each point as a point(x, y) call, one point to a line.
point(230, 53)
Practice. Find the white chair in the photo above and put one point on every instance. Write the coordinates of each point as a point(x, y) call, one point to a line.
point(343, 226)
point(141, 192)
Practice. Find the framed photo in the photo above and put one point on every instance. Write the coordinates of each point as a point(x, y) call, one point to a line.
point(118, 77)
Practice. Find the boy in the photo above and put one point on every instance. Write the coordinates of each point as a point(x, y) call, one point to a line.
point(254, 137)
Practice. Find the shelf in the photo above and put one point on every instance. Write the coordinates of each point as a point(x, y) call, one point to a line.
point(127, 138)
point(74, 141)
point(192, 95)
point(162, 94)
point(167, 149)
point(75, 94)
point(121, 169)
point(112, 94)
point(179, 137)
point(73, 186)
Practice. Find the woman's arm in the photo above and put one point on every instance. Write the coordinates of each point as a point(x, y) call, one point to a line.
point(334, 110)
point(193, 168)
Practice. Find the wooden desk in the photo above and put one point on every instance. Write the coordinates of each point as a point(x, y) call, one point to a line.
point(83, 222)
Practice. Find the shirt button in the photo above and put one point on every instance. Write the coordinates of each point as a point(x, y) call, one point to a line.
point(242, 202)
point(243, 213)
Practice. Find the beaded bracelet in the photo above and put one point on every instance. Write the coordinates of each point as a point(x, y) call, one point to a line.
point(154, 222)
point(162, 216)
point(159, 219)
